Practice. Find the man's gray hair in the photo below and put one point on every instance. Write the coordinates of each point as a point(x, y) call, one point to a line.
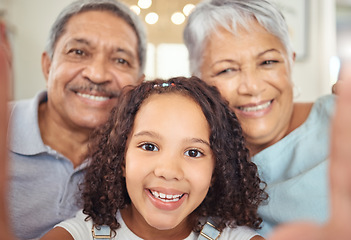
point(117, 8)
point(229, 14)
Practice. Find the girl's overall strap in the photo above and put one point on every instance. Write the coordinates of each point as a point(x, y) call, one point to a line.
point(101, 232)
point(209, 231)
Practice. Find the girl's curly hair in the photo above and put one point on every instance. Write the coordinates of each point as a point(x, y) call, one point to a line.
point(236, 190)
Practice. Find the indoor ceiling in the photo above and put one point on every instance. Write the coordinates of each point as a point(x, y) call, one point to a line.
point(164, 31)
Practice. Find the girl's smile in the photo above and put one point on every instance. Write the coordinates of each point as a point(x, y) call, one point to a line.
point(164, 201)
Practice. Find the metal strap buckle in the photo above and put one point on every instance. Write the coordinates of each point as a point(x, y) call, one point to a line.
point(101, 232)
point(210, 232)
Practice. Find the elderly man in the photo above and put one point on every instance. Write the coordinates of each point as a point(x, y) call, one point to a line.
point(95, 48)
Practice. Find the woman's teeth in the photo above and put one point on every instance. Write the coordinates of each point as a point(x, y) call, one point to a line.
point(92, 97)
point(166, 197)
point(255, 108)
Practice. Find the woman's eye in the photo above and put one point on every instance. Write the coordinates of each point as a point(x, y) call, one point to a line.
point(269, 62)
point(193, 153)
point(227, 70)
point(149, 147)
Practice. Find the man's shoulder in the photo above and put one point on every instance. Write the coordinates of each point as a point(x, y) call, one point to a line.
point(24, 103)
point(23, 125)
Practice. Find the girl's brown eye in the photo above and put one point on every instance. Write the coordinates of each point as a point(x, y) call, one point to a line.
point(149, 147)
point(193, 153)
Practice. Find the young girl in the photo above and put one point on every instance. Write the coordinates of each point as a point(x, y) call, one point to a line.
point(171, 158)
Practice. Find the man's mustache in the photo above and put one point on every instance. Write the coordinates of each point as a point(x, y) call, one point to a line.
point(99, 89)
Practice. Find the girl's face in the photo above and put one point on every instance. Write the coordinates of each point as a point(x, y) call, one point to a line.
point(169, 164)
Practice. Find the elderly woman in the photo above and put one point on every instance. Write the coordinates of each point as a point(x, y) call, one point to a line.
point(243, 48)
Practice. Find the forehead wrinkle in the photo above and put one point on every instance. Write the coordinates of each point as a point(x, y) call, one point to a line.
point(224, 60)
point(269, 50)
point(80, 41)
point(122, 50)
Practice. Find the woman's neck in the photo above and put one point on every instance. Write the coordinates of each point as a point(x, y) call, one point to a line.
point(299, 115)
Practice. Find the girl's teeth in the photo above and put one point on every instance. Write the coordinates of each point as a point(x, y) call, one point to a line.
point(255, 108)
point(92, 97)
point(166, 198)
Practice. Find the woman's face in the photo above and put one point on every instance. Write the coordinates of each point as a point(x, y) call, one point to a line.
point(251, 70)
point(169, 164)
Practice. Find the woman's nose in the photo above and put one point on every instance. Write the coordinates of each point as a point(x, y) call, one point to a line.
point(250, 83)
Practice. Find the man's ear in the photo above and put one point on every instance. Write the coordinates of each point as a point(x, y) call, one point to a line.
point(294, 57)
point(45, 65)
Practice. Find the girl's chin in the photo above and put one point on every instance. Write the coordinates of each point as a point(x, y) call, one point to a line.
point(162, 225)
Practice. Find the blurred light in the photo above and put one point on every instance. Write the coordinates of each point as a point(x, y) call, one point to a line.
point(144, 4)
point(188, 8)
point(334, 65)
point(135, 9)
point(151, 18)
point(178, 18)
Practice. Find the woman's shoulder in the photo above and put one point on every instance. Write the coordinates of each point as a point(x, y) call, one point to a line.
point(301, 111)
point(319, 110)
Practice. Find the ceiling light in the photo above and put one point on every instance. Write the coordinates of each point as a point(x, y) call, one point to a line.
point(188, 8)
point(144, 4)
point(178, 18)
point(135, 9)
point(151, 18)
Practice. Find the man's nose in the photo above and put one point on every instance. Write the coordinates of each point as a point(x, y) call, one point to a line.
point(97, 70)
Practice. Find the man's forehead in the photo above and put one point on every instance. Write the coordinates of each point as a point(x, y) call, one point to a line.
point(93, 15)
point(87, 28)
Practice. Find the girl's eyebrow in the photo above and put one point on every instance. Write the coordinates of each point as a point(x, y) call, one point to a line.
point(199, 140)
point(158, 136)
point(147, 133)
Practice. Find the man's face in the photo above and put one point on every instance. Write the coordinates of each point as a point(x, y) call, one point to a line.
point(94, 59)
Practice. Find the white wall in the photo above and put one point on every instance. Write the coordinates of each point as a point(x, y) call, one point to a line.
point(32, 19)
point(312, 75)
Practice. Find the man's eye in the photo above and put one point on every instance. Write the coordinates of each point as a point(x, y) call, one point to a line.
point(121, 61)
point(193, 153)
point(149, 147)
point(76, 51)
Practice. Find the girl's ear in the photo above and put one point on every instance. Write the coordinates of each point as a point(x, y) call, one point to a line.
point(213, 179)
point(124, 170)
